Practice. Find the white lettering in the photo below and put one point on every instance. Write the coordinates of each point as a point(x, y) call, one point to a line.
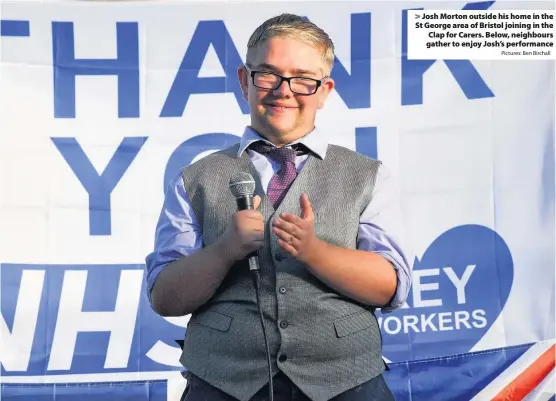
point(15, 347)
point(460, 283)
point(397, 324)
point(411, 321)
point(479, 315)
point(72, 320)
point(419, 287)
point(462, 317)
point(427, 321)
point(444, 319)
point(166, 354)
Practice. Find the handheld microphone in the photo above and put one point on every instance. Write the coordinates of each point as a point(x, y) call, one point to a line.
point(242, 186)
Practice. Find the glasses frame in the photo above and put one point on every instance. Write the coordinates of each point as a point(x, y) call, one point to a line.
point(252, 73)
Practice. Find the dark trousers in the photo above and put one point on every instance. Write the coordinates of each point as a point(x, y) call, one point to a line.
point(284, 390)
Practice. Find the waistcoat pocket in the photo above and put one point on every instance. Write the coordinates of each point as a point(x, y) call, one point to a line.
point(214, 320)
point(353, 323)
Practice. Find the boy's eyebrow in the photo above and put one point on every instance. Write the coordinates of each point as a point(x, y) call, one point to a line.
point(298, 71)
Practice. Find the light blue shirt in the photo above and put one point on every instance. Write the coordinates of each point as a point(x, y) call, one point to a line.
point(381, 229)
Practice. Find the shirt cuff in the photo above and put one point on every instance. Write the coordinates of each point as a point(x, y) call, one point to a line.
point(402, 287)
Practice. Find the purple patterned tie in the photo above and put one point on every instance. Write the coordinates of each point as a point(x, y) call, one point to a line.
point(283, 178)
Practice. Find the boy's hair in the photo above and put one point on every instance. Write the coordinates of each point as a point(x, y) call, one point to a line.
point(295, 27)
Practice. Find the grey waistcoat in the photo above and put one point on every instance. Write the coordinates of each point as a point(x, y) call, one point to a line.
point(330, 343)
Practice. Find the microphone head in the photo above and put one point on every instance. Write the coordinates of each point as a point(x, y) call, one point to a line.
point(242, 185)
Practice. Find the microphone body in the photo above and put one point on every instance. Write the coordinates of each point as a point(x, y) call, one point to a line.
point(242, 186)
point(244, 202)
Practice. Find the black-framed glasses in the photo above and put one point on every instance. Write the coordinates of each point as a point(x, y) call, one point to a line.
point(299, 85)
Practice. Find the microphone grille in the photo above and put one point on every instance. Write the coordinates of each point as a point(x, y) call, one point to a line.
point(242, 184)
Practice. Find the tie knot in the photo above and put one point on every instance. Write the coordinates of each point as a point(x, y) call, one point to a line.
point(282, 154)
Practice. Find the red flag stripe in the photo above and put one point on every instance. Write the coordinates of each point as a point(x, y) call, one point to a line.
point(530, 378)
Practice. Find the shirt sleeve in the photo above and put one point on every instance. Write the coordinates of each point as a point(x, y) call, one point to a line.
point(177, 232)
point(382, 231)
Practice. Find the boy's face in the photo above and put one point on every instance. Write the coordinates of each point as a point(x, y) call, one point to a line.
point(281, 112)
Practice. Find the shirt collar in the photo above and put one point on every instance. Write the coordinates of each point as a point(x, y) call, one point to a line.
point(316, 142)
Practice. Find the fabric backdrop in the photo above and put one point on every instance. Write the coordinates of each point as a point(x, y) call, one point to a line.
point(102, 103)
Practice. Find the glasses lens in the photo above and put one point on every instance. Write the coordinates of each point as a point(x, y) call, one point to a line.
point(265, 80)
point(303, 85)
